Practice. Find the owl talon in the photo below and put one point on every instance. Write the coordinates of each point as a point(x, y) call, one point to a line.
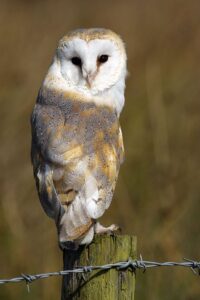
point(113, 231)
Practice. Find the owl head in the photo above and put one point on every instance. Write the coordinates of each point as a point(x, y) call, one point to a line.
point(91, 62)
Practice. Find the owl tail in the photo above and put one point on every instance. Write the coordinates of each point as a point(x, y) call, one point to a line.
point(75, 226)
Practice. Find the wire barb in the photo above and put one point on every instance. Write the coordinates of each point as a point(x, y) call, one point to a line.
point(195, 265)
point(28, 279)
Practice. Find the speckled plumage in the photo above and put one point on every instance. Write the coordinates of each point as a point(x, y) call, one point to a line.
point(77, 149)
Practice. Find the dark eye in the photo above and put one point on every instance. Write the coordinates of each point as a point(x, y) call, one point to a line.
point(103, 58)
point(76, 61)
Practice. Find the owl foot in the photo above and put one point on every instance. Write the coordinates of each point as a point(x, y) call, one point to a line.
point(99, 229)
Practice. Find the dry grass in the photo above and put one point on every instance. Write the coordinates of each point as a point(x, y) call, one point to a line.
point(158, 192)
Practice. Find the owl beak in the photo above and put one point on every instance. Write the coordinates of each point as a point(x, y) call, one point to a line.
point(89, 77)
point(89, 80)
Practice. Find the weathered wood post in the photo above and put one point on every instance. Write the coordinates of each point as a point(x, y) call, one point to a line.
point(100, 285)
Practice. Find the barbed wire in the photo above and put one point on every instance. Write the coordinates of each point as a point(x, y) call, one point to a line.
point(120, 266)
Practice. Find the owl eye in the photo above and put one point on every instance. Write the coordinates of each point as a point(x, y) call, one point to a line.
point(103, 58)
point(76, 61)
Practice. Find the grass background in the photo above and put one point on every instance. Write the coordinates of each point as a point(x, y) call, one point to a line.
point(158, 192)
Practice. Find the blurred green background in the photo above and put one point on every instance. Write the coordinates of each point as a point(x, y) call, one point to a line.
point(158, 192)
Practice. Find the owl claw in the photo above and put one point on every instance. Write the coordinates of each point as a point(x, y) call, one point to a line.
point(112, 232)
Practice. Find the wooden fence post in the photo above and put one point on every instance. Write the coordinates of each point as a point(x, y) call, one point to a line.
point(100, 285)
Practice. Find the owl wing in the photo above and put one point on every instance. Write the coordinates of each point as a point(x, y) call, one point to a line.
point(60, 141)
point(54, 148)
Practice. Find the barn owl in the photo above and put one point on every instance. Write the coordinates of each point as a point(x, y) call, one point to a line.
point(77, 144)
